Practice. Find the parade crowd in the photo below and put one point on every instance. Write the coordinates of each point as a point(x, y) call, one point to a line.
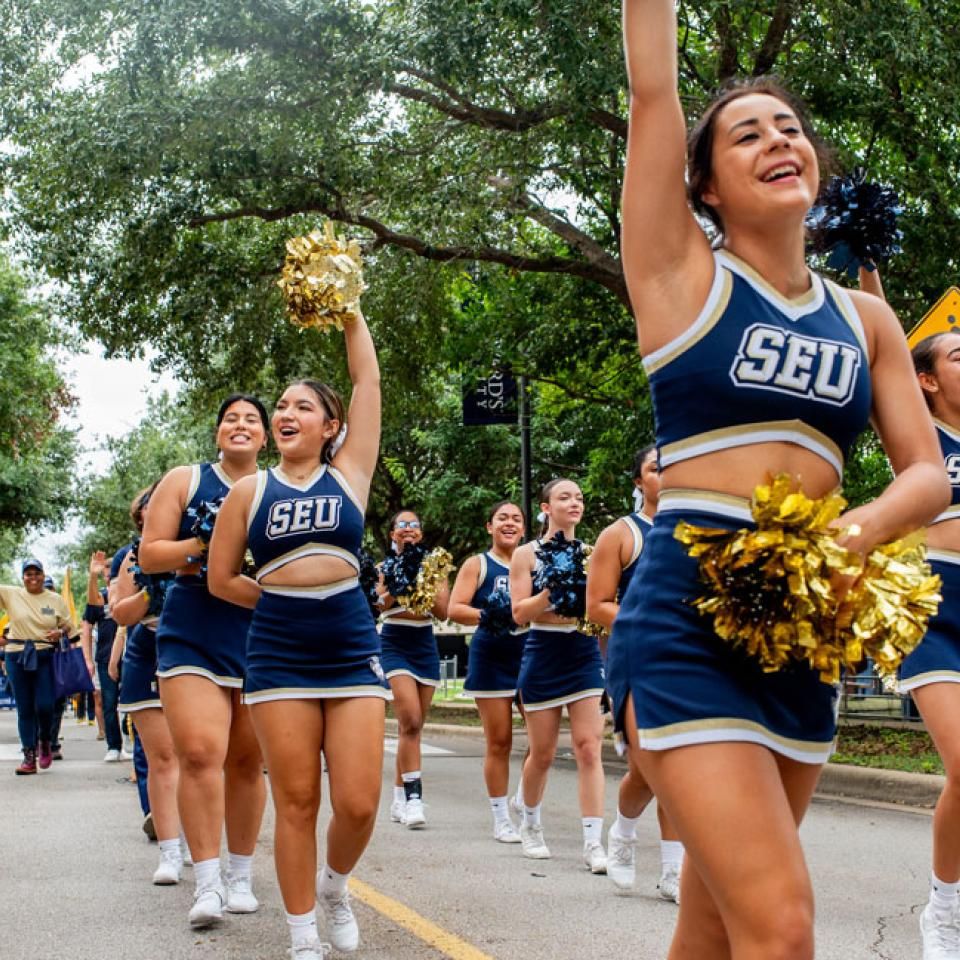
point(249, 632)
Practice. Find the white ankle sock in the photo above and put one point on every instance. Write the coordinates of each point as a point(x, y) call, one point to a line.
point(398, 795)
point(592, 829)
point(303, 928)
point(240, 865)
point(332, 884)
point(519, 794)
point(627, 826)
point(943, 896)
point(206, 873)
point(499, 807)
point(170, 849)
point(671, 852)
point(531, 816)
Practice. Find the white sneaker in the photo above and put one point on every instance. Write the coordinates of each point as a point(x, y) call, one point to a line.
point(669, 885)
point(941, 934)
point(314, 950)
point(168, 871)
point(113, 756)
point(516, 807)
point(413, 814)
point(341, 923)
point(505, 832)
point(207, 908)
point(124, 755)
point(396, 810)
point(185, 853)
point(594, 857)
point(621, 859)
point(531, 838)
point(240, 898)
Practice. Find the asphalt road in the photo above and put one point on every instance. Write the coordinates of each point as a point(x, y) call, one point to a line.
point(75, 876)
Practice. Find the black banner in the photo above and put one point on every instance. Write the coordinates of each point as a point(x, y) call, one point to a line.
point(491, 399)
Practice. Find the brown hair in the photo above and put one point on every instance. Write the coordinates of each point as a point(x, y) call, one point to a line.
point(925, 357)
point(701, 138)
point(332, 405)
point(139, 503)
point(492, 512)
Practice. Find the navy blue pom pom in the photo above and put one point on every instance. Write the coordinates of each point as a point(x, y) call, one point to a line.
point(155, 584)
point(496, 615)
point(369, 578)
point(561, 572)
point(400, 569)
point(855, 223)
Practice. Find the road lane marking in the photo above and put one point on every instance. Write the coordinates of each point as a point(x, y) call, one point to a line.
point(390, 745)
point(449, 944)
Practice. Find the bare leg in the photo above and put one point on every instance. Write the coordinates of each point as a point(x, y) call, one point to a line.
point(496, 714)
point(543, 729)
point(163, 771)
point(586, 727)
point(411, 701)
point(245, 793)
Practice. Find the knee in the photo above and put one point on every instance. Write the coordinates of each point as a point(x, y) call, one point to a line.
point(541, 756)
point(298, 807)
point(587, 750)
point(790, 934)
point(410, 723)
point(199, 758)
point(499, 745)
point(357, 813)
point(247, 766)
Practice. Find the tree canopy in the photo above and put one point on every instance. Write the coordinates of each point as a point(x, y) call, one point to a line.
point(159, 153)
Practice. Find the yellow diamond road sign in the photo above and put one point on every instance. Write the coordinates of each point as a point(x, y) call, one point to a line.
point(942, 317)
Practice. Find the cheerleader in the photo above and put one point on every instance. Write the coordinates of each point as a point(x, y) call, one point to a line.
point(136, 605)
point(494, 662)
point(411, 663)
point(613, 564)
point(931, 673)
point(201, 645)
point(561, 667)
point(757, 367)
point(314, 680)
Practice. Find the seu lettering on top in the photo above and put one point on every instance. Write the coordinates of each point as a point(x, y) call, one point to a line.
point(770, 358)
point(952, 465)
point(303, 515)
point(501, 583)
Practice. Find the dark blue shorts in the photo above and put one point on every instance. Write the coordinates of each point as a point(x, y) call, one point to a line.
point(313, 647)
point(138, 679)
point(200, 634)
point(688, 685)
point(493, 665)
point(937, 658)
point(410, 649)
point(560, 665)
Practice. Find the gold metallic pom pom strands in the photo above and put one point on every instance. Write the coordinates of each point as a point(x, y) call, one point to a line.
point(436, 567)
point(322, 280)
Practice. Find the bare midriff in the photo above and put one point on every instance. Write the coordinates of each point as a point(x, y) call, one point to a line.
point(945, 535)
point(317, 571)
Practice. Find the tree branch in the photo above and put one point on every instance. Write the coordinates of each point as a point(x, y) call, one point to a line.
point(773, 41)
point(728, 66)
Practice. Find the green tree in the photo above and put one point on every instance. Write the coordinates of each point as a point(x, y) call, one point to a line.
point(37, 452)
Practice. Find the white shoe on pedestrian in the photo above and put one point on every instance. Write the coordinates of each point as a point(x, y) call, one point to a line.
point(532, 845)
point(505, 832)
point(124, 755)
point(414, 816)
point(594, 857)
point(621, 859)
point(396, 810)
point(240, 898)
point(516, 807)
point(112, 756)
point(314, 950)
point(669, 885)
point(185, 853)
point(207, 908)
point(342, 930)
point(168, 871)
point(940, 931)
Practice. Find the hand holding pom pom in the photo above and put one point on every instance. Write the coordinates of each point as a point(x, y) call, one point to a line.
point(369, 577)
point(322, 280)
point(562, 570)
point(496, 615)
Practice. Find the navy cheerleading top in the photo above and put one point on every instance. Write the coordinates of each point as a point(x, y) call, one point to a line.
point(493, 576)
point(288, 521)
point(756, 367)
point(208, 484)
point(950, 447)
point(639, 525)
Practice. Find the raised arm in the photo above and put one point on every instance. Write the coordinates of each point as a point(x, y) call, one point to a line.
point(129, 605)
point(661, 238)
point(160, 550)
point(464, 587)
point(98, 563)
point(228, 547)
point(357, 458)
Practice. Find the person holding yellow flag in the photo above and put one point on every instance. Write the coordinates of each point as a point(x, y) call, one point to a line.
point(39, 618)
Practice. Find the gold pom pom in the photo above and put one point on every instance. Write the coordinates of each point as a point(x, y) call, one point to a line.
point(591, 628)
point(322, 280)
point(885, 614)
point(436, 567)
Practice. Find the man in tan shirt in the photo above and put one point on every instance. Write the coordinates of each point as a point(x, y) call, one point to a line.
point(38, 619)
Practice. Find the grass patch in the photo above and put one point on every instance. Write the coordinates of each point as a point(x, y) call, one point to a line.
point(887, 748)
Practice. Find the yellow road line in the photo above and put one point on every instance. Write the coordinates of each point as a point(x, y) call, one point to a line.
point(449, 944)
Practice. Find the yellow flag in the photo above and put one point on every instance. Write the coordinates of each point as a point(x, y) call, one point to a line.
point(67, 595)
point(942, 317)
point(4, 620)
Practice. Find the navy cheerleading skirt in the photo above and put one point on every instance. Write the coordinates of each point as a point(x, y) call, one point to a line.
point(688, 685)
point(313, 645)
point(409, 648)
point(560, 665)
point(138, 678)
point(937, 657)
point(202, 635)
point(493, 665)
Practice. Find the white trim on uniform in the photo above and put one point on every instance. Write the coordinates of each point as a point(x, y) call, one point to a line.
point(705, 501)
point(317, 693)
point(404, 672)
point(190, 671)
point(563, 701)
point(320, 592)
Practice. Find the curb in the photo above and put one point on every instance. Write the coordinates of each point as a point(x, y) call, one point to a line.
point(919, 790)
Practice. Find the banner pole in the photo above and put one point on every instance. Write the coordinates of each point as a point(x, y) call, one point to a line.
point(526, 493)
